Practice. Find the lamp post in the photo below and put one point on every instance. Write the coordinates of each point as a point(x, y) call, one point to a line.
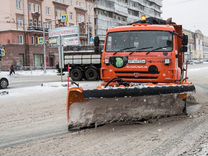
point(44, 44)
point(89, 24)
point(44, 48)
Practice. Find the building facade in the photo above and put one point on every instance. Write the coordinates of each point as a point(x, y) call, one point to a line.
point(22, 23)
point(198, 46)
point(110, 13)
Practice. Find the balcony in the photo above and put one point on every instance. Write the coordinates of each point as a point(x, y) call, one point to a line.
point(83, 35)
point(36, 29)
point(63, 5)
point(108, 6)
point(132, 18)
point(81, 8)
point(158, 2)
point(121, 9)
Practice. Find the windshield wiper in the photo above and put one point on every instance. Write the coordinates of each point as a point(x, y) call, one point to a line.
point(138, 49)
point(158, 48)
point(128, 48)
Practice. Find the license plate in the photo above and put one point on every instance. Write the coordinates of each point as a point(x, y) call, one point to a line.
point(136, 61)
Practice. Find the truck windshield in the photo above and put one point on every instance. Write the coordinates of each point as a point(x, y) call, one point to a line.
point(140, 41)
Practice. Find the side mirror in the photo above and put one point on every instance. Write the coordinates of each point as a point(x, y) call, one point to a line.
point(184, 49)
point(97, 44)
point(185, 40)
point(96, 41)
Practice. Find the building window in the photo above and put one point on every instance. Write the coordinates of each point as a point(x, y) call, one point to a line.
point(33, 40)
point(60, 1)
point(20, 39)
point(21, 62)
point(36, 40)
point(52, 60)
point(29, 7)
point(71, 15)
point(38, 60)
point(30, 23)
point(48, 24)
point(48, 11)
point(33, 7)
point(35, 23)
point(19, 23)
point(36, 8)
point(70, 2)
point(19, 4)
point(80, 18)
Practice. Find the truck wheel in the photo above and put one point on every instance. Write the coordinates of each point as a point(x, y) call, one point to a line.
point(76, 74)
point(4, 83)
point(91, 74)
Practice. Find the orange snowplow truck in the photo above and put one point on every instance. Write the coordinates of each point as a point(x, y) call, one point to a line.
point(148, 51)
point(144, 76)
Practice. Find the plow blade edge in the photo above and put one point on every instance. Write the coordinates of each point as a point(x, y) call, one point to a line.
point(97, 107)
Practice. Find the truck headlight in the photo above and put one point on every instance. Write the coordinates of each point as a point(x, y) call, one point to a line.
point(107, 61)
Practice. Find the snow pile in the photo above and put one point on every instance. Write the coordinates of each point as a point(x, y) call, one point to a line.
point(33, 72)
point(55, 84)
point(2, 93)
point(197, 69)
point(36, 72)
point(83, 84)
point(27, 91)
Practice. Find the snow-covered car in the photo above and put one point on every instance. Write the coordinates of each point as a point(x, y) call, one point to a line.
point(4, 81)
point(190, 62)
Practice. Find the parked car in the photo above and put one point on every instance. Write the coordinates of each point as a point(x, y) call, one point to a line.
point(196, 61)
point(4, 81)
point(201, 61)
point(191, 62)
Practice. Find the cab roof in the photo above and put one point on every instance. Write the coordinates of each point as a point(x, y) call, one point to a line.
point(142, 27)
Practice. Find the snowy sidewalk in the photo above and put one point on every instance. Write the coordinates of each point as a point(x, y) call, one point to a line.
point(33, 72)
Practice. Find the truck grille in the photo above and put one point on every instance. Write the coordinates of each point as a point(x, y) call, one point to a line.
point(137, 75)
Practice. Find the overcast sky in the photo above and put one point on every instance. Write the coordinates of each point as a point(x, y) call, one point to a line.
point(192, 14)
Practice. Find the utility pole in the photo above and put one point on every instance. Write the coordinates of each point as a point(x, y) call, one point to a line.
point(61, 57)
point(89, 23)
point(44, 48)
point(88, 31)
point(44, 44)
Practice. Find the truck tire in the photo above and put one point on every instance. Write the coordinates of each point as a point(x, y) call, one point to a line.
point(4, 83)
point(76, 74)
point(91, 74)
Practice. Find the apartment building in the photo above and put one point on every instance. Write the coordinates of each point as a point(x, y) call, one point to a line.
point(22, 23)
point(110, 13)
point(198, 45)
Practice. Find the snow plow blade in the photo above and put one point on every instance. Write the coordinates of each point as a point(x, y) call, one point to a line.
point(91, 108)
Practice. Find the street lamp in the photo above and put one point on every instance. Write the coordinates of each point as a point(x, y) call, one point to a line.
point(44, 42)
point(44, 48)
point(89, 23)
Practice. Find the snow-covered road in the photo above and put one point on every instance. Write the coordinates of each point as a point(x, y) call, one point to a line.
point(33, 122)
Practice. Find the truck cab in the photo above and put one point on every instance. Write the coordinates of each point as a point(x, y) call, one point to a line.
point(145, 52)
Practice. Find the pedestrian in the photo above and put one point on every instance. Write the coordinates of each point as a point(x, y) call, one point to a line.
point(12, 70)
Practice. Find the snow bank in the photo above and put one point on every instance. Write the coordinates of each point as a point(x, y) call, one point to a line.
point(197, 69)
point(33, 72)
point(83, 84)
point(27, 91)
